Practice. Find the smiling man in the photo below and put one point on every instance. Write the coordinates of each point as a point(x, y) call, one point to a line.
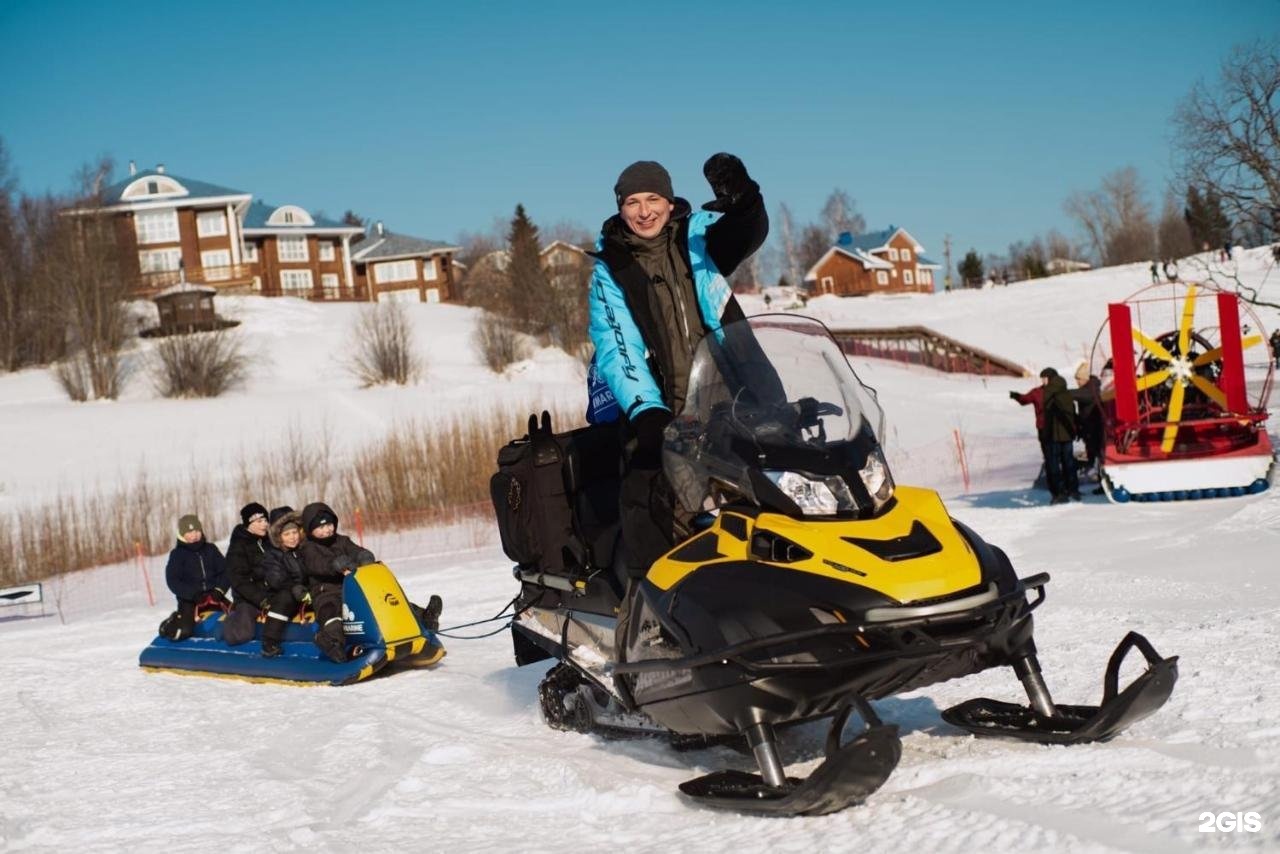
point(658, 286)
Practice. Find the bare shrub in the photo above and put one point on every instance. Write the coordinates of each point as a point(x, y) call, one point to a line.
point(384, 347)
point(204, 364)
point(497, 342)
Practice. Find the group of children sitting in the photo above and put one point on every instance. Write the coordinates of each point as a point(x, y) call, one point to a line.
point(276, 563)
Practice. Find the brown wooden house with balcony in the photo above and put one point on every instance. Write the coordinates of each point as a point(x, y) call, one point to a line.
point(169, 223)
point(391, 266)
point(878, 262)
point(291, 252)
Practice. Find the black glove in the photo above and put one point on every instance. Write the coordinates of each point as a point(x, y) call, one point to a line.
point(648, 427)
point(1013, 395)
point(301, 593)
point(220, 595)
point(343, 563)
point(264, 605)
point(364, 557)
point(729, 181)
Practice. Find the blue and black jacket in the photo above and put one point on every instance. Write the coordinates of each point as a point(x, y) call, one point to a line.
point(632, 356)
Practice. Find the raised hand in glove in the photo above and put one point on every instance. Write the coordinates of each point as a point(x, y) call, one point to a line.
point(1013, 395)
point(729, 181)
point(648, 426)
point(344, 564)
point(301, 594)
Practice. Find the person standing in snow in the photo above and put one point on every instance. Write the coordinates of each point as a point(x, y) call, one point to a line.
point(1088, 400)
point(1275, 347)
point(195, 572)
point(659, 285)
point(1060, 432)
point(1035, 399)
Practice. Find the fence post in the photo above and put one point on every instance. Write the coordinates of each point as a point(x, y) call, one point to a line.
point(359, 527)
point(146, 579)
point(964, 463)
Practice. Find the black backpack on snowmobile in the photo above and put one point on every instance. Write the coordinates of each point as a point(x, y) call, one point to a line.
point(818, 586)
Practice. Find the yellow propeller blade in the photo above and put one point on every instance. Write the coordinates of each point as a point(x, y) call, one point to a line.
point(1152, 345)
point(1210, 356)
point(1211, 390)
point(1188, 317)
point(1175, 414)
point(1153, 378)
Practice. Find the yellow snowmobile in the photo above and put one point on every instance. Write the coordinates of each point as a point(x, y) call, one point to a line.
point(809, 584)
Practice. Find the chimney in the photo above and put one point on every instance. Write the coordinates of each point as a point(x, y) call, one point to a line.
point(160, 168)
point(378, 227)
point(133, 168)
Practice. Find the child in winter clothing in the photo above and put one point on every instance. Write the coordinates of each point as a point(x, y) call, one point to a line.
point(196, 570)
point(245, 552)
point(283, 572)
point(327, 558)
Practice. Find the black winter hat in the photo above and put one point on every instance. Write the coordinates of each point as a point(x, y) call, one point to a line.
point(643, 176)
point(1048, 372)
point(316, 514)
point(250, 510)
point(277, 512)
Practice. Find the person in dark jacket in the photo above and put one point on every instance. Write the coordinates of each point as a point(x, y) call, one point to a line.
point(1088, 399)
point(284, 576)
point(327, 558)
point(659, 285)
point(195, 571)
point(1060, 430)
point(1275, 346)
point(245, 552)
point(1035, 399)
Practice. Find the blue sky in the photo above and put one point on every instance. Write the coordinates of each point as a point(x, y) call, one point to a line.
point(972, 119)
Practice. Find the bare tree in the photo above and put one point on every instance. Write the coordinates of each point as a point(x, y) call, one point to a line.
point(813, 244)
point(204, 364)
point(1115, 218)
point(840, 213)
point(790, 246)
point(1172, 232)
point(384, 346)
point(1228, 137)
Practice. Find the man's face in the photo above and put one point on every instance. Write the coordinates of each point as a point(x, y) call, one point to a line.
point(258, 525)
point(290, 537)
point(646, 214)
point(192, 536)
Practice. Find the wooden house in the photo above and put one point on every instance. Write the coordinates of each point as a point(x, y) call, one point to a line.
point(878, 262)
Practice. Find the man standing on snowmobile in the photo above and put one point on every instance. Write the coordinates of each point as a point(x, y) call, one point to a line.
point(658, 287)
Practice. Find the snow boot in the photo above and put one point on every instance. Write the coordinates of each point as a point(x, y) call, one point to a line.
point(271, 649)
point(331, 641)
point(429, 616)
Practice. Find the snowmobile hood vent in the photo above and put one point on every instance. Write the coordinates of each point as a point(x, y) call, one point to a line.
point(917, 542)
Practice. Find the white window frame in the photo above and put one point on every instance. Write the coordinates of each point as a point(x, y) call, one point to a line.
point(906, 254)
point(828, 284)
point(292, 240)
point(301, 280)
point(329, 281)
point(387, 272)
point(926, 276)
point(893, 253)
point(156, 226)
point(882, 278)
point(147, 265)
point(433, 295)
point(327, 252)
point(251, 253)
point(908, 278)
point(211, 224)
point(428, 269)
point(223, 269)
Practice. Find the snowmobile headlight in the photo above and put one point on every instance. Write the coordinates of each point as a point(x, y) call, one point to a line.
point(825, 496)
point(876, 478)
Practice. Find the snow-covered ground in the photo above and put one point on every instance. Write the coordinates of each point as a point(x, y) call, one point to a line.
point(99, 755)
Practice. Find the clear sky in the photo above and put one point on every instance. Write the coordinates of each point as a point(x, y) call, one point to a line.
point(973, 119)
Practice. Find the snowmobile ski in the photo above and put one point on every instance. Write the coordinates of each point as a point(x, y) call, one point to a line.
point(846, 778)
point(1063, 724)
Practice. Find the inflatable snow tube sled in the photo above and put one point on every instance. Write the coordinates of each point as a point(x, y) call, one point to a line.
point(381, 631)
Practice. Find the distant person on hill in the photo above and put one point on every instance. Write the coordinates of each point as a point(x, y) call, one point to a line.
point(1155, 275)
point(1035, 399)
point(1088, 400)
point(196, 572)
point(1275, 346)
point(1060, 432)
point(1226, 250)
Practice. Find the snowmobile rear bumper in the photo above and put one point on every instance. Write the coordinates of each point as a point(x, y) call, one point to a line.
point(1078, 724)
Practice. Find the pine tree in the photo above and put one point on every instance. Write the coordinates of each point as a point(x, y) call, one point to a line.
point(530, 295)
point(970, 269)
point(1205, 218)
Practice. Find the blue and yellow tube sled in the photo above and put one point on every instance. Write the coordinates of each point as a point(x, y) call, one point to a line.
point(380, 627)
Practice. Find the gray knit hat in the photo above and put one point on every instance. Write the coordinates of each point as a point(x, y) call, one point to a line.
point(189, 523)
point(643, 176)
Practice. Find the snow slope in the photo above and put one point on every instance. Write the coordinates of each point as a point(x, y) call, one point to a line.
point(103, 757)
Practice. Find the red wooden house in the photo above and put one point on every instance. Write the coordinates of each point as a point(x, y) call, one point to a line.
point(878, 262)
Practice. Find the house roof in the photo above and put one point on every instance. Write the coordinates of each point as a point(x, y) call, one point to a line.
point(556, 244)
point(257, 218)
point(114, 194)
point(378, 247)
point(861, 246)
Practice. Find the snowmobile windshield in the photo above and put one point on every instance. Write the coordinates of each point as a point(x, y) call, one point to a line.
point(776, 417)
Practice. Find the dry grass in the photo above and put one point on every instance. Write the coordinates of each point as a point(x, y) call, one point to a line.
point(417, 474)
